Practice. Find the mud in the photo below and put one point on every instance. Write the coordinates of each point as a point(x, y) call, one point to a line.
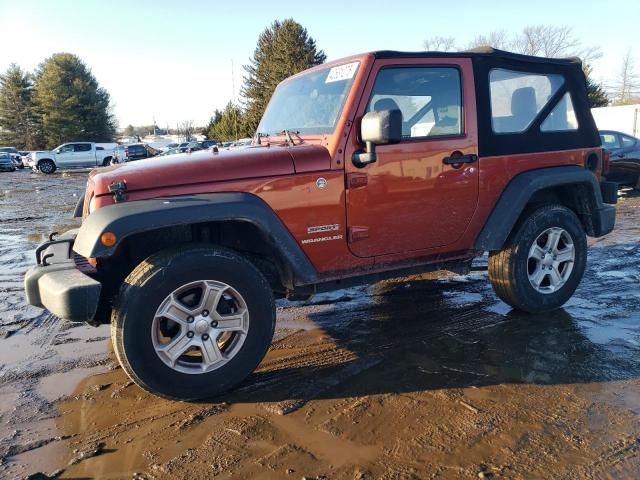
point(420, 378)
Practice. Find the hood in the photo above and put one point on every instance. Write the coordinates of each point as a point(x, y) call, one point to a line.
point(207, 167)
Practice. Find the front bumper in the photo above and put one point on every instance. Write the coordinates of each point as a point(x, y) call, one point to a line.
point(60, 283)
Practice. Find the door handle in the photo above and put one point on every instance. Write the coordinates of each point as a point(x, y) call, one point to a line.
point(620, 155)
point(458, 159)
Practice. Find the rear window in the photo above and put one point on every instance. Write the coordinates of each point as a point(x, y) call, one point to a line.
point(82, 147)
point(518, 97)
point(627, 141)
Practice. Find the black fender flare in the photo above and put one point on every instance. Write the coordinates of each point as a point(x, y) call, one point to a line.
point(524, 186)
point(128, 218)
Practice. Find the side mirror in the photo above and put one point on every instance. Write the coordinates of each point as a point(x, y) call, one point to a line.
point(377, 128)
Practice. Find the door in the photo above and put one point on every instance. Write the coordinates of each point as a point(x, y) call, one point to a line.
point(65, 156)
point(416, 196)
point(85, 155)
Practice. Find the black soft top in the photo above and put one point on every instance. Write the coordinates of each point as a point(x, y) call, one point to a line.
point(484, 60)
point(480, 52)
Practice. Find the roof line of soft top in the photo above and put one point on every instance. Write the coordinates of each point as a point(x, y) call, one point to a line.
point(479, 52)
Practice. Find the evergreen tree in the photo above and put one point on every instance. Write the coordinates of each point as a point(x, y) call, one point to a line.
point(215, 118)
point(229, 126)
point(595, 91)
point(72, 104)
point(18, 122)
point(284, 49)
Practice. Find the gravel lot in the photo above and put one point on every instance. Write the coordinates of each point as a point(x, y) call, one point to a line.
point(419, 378)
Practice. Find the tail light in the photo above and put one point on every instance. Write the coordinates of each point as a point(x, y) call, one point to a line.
point(605, 162)
point(126, 151)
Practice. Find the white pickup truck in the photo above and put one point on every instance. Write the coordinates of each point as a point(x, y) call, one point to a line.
point(71, 155)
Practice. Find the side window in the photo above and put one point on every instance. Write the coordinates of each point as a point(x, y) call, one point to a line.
point(562, 118)
point(609, 140)
point(429, 98)
point(82, 147)
point(627, 142)
point(518, 97)
point(66, 148)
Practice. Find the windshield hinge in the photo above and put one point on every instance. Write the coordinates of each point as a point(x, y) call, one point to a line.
point(118, 189)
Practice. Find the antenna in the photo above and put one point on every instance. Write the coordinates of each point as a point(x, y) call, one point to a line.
point(233, 100)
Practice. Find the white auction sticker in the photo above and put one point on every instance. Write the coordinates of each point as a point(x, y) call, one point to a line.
point(341, 72)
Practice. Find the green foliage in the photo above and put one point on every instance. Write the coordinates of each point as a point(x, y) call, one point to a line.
point(128, 131)
point(229, 125)
point(208, 129)
point(72, 105)
point(18, 121)
point(595, 91)
point(284, 49)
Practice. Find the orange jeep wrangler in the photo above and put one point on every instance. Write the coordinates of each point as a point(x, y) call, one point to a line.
point(370, 167)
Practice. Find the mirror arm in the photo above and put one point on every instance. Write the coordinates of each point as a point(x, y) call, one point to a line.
point(361, 158)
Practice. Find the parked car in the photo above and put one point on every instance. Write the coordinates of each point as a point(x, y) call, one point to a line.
point(624, 157)
point(423, 162)
point(6, 162)
point(209, 143)
point(171, 151)
point(71, 155)
point(15, 156)
point(133, 151)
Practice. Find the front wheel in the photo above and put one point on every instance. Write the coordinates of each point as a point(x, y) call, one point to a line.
point(192, 323)
point(46, 166)
point(542, 263)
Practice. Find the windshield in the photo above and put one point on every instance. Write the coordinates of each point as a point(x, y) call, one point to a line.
point(310, 103)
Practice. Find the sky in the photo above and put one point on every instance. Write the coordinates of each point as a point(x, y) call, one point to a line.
point(172, 60)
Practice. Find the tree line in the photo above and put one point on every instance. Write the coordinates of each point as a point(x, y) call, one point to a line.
point(60, 101)
point(556, 42)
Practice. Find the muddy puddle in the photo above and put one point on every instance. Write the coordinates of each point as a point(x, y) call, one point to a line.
point(420, 378)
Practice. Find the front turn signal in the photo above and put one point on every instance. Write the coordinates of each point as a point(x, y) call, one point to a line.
point(108, 239)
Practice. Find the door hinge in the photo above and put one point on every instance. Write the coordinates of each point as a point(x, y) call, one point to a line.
point(355, 180)
point(358, 233)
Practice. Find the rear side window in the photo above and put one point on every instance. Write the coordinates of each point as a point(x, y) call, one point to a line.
point(518, 97)
point(429, 98)
point(609, 140)
point(562, 118)
point(82, 147)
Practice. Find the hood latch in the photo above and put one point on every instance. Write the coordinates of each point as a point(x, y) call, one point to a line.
point(118, 189)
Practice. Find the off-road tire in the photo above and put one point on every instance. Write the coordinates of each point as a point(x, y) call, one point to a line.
point(155, 278)
point(47, 166)
point(508, 267)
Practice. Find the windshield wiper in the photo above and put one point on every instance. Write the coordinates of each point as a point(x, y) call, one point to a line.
point(288, 133)
point(260, 135)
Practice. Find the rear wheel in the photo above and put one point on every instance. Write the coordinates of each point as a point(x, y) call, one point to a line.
point(542, 263)
point(192, 323)
point(106, 162)
point(46, 166)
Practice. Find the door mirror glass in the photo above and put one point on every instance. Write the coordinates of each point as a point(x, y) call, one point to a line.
point(378, 128)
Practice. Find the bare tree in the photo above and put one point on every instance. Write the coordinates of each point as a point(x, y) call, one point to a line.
point(626, 88)
point(186, 130)
point(440, 44)
point(496, 39)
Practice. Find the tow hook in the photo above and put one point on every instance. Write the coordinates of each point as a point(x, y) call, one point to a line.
point(118, 189)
